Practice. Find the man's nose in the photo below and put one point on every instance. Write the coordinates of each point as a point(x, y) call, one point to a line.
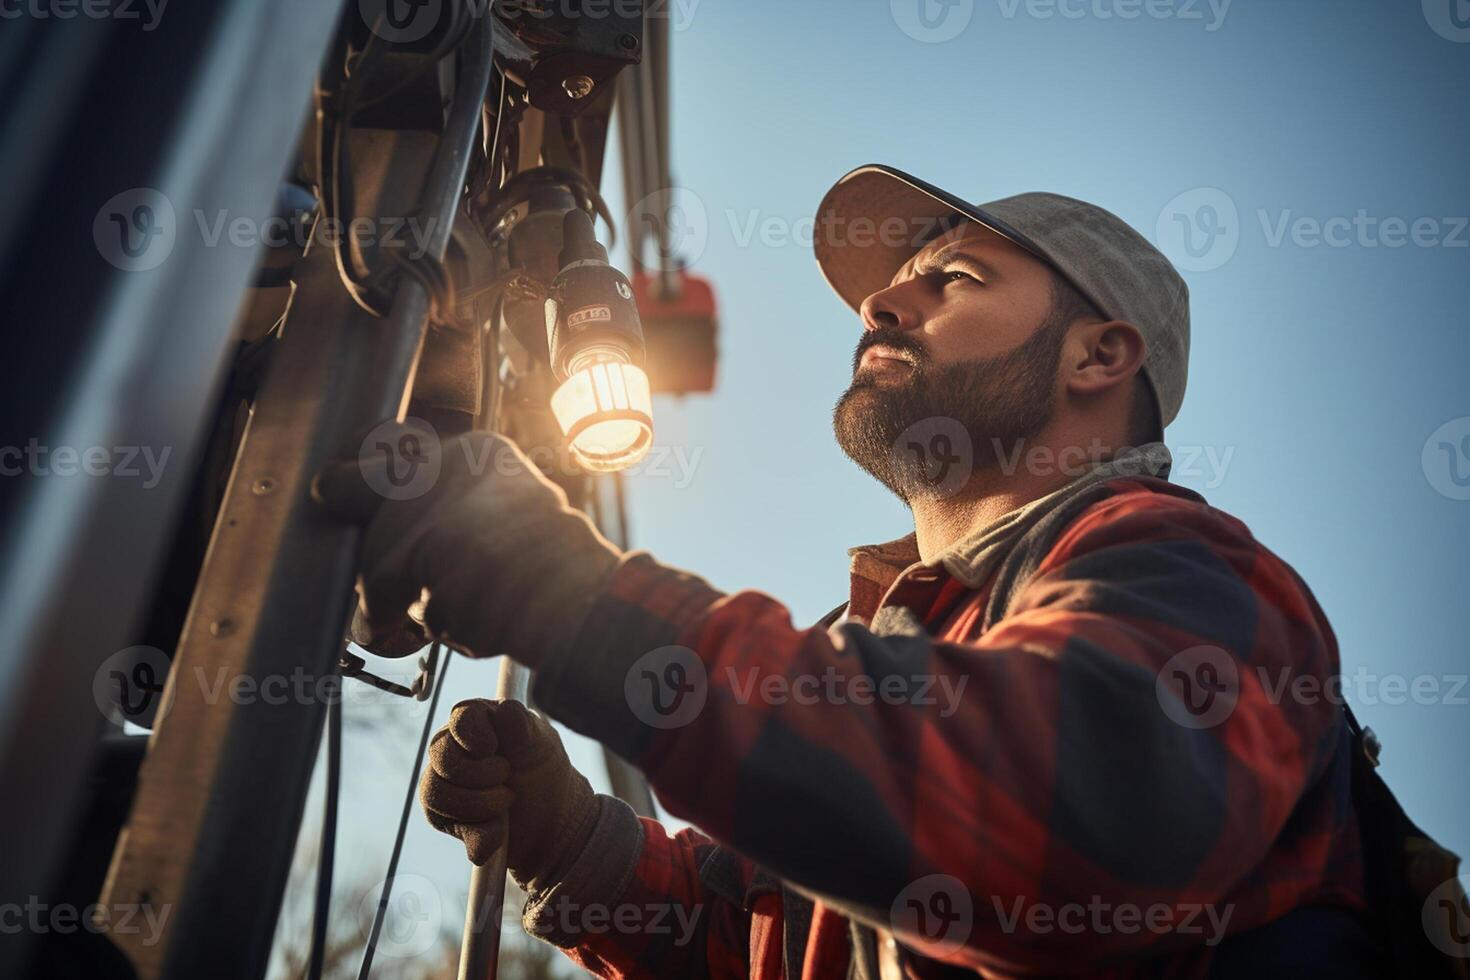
point(893, 308)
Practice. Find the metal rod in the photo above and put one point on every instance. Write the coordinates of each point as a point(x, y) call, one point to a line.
point(439, 206)
point(628, 784)
point(479, 951)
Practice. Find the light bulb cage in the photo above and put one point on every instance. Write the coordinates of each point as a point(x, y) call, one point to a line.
point(605, 410)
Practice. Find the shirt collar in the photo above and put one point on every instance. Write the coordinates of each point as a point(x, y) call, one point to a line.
point(874, 568)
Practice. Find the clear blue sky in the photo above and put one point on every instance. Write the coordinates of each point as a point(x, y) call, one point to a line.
point(1318, 370)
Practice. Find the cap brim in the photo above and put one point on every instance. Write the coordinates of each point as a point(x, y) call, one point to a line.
point(875, 218)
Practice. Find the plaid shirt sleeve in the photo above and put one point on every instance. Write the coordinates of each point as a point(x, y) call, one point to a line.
point(637, 904)
point(1119, 741)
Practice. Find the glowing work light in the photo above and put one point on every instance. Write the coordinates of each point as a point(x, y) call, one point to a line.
point(606, 411)
point(604, 405)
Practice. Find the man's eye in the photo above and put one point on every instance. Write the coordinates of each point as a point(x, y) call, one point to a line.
point(955, 275)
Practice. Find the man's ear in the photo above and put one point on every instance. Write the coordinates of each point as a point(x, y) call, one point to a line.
point(1104, 356)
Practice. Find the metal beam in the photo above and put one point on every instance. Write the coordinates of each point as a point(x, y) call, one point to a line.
point(206, 110)
point(222, 791)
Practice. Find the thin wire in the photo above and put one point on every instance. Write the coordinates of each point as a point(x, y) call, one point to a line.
point(436, 652)
point(329, 831)
point(494, 150)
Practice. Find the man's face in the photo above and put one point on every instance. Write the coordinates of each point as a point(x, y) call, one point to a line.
point(965, 332)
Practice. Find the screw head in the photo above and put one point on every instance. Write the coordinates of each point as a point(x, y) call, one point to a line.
point(577, 86)
point(628, 41)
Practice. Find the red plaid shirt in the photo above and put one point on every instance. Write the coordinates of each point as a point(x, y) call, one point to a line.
point(1042, 806)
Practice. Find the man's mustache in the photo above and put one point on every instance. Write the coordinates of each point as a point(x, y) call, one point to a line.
point(900, 340)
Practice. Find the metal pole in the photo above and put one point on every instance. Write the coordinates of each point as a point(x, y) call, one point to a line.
point(479, 951)
point(628, 784)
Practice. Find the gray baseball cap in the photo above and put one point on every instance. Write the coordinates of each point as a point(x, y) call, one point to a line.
point(875, 218)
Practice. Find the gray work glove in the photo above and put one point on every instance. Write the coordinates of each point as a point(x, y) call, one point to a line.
point(498, 767)
point(509, 567)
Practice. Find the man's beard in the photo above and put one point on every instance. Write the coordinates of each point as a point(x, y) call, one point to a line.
point(924, 436)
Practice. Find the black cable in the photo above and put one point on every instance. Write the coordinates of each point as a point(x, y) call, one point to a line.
point(587, 196)
point(337, 180)
point(437, 281)
point(436, 653)
point(334, 153)
point(329, 831)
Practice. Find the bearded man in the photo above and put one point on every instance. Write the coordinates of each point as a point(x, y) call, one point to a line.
point(1033, 741)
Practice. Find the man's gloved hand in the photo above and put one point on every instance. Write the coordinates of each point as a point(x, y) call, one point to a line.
point(497, 766)
point(510, 568)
